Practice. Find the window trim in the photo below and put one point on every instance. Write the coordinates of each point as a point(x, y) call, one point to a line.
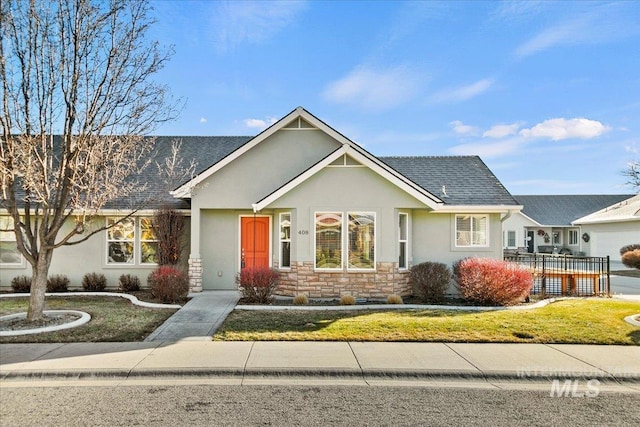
point(506, 239)
point(577, 234)
point(405, 240)
point(21, 262)
point(375, 246)
point(315, 241)
point(137, 244)
point(141, 240)
point(282, 240)
point(471, 245)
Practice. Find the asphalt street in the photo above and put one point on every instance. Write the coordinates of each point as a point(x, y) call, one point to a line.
point(309, 405)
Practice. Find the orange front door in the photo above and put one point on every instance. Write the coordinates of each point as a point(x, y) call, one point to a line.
point(254, 242)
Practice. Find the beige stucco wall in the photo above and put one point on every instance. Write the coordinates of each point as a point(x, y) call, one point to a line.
point(87, 257)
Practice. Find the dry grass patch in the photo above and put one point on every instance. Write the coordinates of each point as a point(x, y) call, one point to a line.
point(113, 319)
point(590, 321)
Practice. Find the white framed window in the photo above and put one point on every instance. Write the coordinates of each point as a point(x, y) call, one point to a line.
point(130, 241)
point(509, 239)
point(328, 240)
point(285, 240)
point(362, 241)
point(403, 240)
point(573, 237)
point(472, 230)
point(9, 254)
point(345, 238)
point(148, 242)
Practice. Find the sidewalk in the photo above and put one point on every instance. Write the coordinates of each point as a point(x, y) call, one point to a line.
point(240, 362)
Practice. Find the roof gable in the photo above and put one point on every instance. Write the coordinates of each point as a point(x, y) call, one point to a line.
point(626, 210)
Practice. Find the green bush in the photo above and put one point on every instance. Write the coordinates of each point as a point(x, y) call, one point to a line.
point(430, 281)
point(168, 284)
point(258, 284)
point(94, 282)
point(128, 283)
point(21, 284)
point(57, 283)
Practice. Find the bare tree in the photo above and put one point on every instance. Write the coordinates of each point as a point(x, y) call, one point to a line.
point(633, 175)
point(80, 69)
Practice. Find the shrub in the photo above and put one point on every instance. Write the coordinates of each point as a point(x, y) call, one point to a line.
point(94, 282)
point(21, 284)
point(347, 300)
point(57, 283)
point(168, 226)
point(430, 281)
point(493, 282)
point(632, 259)
point(394, 299)
point(128, 283)
point(300, 300)
point(168, 284)
point(629, 248)
point(258, 284)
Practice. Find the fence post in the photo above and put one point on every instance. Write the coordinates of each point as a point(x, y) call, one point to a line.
point(543, 286)
point(608, 277)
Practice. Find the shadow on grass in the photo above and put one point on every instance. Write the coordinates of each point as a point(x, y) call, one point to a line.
point(635, 336)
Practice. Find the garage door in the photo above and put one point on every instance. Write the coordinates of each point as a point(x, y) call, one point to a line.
point(605, 243)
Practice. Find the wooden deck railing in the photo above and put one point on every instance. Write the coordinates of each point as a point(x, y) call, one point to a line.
point(566, 274)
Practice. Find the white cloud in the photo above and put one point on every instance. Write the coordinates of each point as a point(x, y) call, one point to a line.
point(560, 128)
point(602, 24)
point(488, 150)
point(375, 89)
point(500, 131)
point(462, 129)
point(237, 22)
point(203, 120)
point(462, 93)
point(259, 123)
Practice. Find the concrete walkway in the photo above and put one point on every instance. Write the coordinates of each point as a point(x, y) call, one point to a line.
point(198, 319)
point(360, 362)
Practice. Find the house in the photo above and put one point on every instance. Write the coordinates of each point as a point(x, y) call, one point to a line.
point(555, 224)
point(302, 198)
point(611, 228)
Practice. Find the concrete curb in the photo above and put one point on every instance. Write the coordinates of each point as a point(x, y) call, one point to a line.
point(631, 319)
point(312, 373)
point(131, 298)
point(84, 318)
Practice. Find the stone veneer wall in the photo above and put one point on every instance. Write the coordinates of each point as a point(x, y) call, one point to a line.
point(195, 274)
point(302, 279)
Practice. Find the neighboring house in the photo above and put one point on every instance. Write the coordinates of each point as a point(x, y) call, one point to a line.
point(300, 197)
point(611, 228)
point(552, 224)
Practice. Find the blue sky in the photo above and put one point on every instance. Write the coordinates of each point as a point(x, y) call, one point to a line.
point(547, 93)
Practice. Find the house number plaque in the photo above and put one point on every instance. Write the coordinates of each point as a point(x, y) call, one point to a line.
point(303, 232)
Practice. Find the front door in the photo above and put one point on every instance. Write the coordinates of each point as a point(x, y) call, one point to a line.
point(530, 237)
point(254, 241)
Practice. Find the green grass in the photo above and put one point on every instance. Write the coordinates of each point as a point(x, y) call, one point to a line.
point(112, 319)
point(592, 321)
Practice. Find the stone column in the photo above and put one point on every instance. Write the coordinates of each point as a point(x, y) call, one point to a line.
point(195, 274)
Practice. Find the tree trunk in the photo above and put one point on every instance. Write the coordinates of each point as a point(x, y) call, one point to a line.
point(39, 285)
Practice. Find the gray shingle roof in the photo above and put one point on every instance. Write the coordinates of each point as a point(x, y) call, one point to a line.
point(561, 210)
point(466, 179)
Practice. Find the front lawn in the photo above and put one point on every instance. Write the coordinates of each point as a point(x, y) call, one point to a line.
point(590, 321)
point(112, 319)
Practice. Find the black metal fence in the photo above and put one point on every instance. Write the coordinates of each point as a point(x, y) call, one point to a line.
point(566, 274)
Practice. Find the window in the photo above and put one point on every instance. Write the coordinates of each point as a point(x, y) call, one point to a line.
point(9, 254)
point(557, 238)
point(403, 232)
point(129, 236)
point(472, 230)
point(331, 244)
point(148, 242)
point(510, 239)
point(285, 240)
point(573, 237)
point(362, 241)
point(328, 240)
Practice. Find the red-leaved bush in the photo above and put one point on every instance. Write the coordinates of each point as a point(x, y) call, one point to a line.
point(168, 284)
point(493, 282)
point(257, 284)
